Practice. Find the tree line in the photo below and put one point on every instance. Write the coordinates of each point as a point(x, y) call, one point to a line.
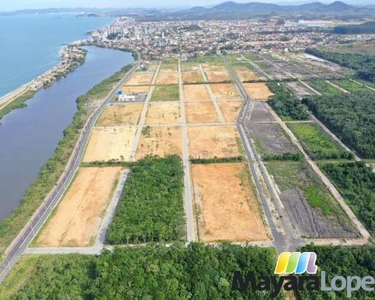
point(364, 28)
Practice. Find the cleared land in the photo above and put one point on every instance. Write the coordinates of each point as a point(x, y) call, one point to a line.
point(261, 113)
point(141, 78)
point(225, 91)
point(230, 110)
point(192, 77)
point(168, 67)
point(299, 89)
point(167, 77)
point(77, 219)
point(163, 113)
point(245, 74)
point(160, 141)
point(121, 114)
point(110, 143)
point(216, 73)
point(226, 207)
point(258, 90)
point(201, 112)
point(211, 141)
point(196, 92)
point(166, 93)
point(136, 89)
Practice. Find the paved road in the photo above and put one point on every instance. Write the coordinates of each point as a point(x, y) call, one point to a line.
point(188, 198)
point(18, 246)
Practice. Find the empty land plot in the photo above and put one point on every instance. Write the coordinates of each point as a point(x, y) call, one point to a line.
point(166, 93)
point(167, 77)
point(160, 140)
point(226, 207)
point(192, 77)
point(141, 78)
point(76, 220)
point(213, 141)
point(324, 87)
point(121, 114)
point(168, 67)
point(196, 92)
point(258, 90)
point(216, 73)
point(148, 67)
point(136, 89)
point(299, 89)
point(110, 143)
point(261, 113)
point(245, 74)
point(201, 112)
point(225, 91)
point(230, 110)
point(351, 86)
point(189, 67)
point(163, 113)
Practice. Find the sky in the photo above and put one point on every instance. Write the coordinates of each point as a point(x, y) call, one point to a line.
point(37, 4)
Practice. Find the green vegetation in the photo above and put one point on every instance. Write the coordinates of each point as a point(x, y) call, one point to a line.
point(350, 117)
point(318, 144)
point(351, 86)
point(324, 88)
point(214, 60)
point(342, 261)
point(151, 205)
point(205, 161)
point(151, 272)
point(356, 183)
point(166, 93)
point(19, 102)
point(364, 28)
point(285, 156)
point(287, 106)
point(53, 169)
point(364, 65)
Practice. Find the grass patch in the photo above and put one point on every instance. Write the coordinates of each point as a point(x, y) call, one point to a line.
point(324, 88)
point(351, 86)
point(17, 103)
point(166, 93)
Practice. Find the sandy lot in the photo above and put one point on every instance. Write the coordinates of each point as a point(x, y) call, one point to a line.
point(230, 109)
point(196, 92)
point(136, 89)
point(110, 143)
point(258, 91)
point(168, 67)
point(225, 91)
point(77, 219)
point(226, 207)
point(201, 112)
point(216, 73)
point(141, 78)
point(160, 141)
point(121, 114)
point(245, 74)
point(192, 77)
point(211, 141)
point(163, 113)
point(188, 67)
point(167, 77)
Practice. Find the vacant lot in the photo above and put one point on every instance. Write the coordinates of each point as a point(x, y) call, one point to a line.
point(196, 92)
point(260, 113)
point(141, 78)
point(166, 93)
point(110, 143)
point(299, 89)
point(216, 73)
point(192, 77)
point(121, 114)
point(168, 67)
point(163, 113)
point(167, 77)
point(258, 91)
point(136, 89)
point(230, 110)
point(225, 91)
point(211, 141)
point(226, 207)
point(201, 112)
point(160, 141)
point(77, 219)
point(245, 74)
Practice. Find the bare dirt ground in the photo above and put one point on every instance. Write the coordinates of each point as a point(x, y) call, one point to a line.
point(141, 78)
point(216, 73)
point(211, 141)
point(261, 113)
point(136, 89)
point(230, 110)
point(110, 143)
point(245, 74)
point(226, 207)
point(121, 114)
point(196, 92)
point(160, 141)
point(201, 112)
point(258, 90)
point(77, 219)
point(299, 89)
point(192, 77)
point(189, 67)
point(168, 67)
point(167, 77)
point(226, 91)
point(163, 113)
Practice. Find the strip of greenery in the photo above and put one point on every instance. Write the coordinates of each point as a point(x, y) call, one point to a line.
point(151, 205)
point(364, 28)
point(54, 168)
point(351, 86)
point(318, 144)
point(285, 156)
point(287, 106)
point(166, 93)
point(356, 183)
point(350, 117)
point(19, 102)
point(324, 88)
point(216, 160)
point(151, 272)
point(109, 163)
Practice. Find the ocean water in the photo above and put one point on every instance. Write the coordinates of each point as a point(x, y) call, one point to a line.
point(30, 44)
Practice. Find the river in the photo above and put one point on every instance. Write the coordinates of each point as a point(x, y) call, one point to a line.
point(29, 136)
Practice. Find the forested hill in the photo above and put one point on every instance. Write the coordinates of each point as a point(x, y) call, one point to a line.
point(365, 28)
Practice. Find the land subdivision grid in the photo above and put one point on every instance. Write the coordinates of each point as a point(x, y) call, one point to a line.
point(28, 233)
